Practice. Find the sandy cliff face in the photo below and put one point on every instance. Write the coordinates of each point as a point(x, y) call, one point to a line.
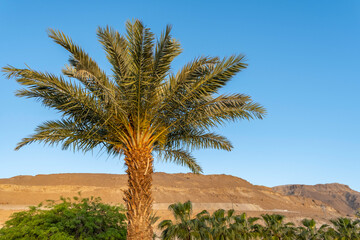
point(339, 196)
point(205, 191)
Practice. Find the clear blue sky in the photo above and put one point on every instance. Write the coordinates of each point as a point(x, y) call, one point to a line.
point(304, 68)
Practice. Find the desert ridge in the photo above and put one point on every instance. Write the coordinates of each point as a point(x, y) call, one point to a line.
point(209, 192)
point(339, 196)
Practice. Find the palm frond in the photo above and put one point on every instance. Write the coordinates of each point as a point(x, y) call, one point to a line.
point(67, 133)
point(225, 108)
point(115, 47)
point(140, 50)
point(213, 77)
point(165, 52)
point(85, 69)
point(172, 93)
point(54, 92)
point(80, 60)
point(197, 139)
point(179, 157)
point(188, 75)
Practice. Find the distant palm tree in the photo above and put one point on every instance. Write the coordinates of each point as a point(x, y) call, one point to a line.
point(346, 229)
point(276, 229)
point(244, 228)
point(141, 109)
point(223, 225)
point(185, 227)
point(310, 231)
point(219, 223)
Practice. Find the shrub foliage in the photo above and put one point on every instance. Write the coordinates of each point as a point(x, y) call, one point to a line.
point(77, 218)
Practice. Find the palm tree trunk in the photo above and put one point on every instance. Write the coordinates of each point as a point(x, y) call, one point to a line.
point(138, 197)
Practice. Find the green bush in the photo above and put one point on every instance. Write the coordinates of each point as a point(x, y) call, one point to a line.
point(80, 218)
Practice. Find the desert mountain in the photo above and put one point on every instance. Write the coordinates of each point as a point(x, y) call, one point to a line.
point(209, 192)
point(340, 197)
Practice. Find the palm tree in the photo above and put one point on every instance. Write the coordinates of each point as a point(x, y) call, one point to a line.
point(310, 231)
point(185, 227)
point(244, 228)
point(276, 229)
point(140, 110)
point(346, 228)
point(219, 224)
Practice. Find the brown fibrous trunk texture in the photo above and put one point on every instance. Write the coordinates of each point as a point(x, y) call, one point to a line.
point(138, 197)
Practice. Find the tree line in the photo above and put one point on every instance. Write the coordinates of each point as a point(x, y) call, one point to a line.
point(224, 224)
point(89, 218)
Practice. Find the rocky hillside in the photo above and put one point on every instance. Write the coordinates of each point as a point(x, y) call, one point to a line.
point(339, 196)
point(205, 191)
